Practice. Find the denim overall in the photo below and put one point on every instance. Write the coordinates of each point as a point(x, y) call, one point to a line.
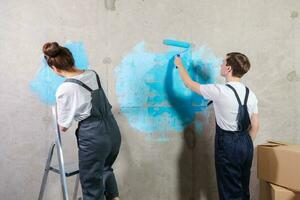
point(233, 156)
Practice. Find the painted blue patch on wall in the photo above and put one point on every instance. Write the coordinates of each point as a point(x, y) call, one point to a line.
point(46, 81)
point(151, 93)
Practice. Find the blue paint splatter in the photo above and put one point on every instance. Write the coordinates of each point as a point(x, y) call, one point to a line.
point(151, 93)
point(46, 81)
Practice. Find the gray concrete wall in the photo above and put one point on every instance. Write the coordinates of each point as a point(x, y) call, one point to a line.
point(267, 31)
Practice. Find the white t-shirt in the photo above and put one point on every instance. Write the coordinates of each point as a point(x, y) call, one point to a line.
point(74, 101)
point(225, 103)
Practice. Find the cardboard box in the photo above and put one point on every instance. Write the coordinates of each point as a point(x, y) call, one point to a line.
point(264, 190)
point(270, 191)
point(279, 163)
point(281, 193)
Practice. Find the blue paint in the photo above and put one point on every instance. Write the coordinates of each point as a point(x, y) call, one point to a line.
point(151, 93)
point(46, 81)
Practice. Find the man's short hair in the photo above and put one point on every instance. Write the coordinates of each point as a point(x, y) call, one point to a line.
point(239, 63)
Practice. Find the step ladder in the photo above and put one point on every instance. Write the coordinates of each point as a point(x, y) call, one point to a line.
point(61, 169)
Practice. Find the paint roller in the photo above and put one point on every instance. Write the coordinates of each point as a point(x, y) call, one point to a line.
point(176, 43)
point(181, 44)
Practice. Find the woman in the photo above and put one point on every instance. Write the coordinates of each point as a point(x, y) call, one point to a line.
point(81, 97)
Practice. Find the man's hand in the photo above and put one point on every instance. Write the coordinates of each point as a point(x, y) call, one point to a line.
point(178, 61)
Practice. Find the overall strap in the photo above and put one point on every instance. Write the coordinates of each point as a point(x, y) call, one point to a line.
point(73, 80)
point(98, 79)
point(237, 96)
point(246, 96)
point(235, 93)
point(210, 102)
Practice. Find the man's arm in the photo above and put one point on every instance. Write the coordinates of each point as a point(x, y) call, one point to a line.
point(185, 76)
point(254, 126)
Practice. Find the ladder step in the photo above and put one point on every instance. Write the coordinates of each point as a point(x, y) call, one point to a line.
point(70, 169)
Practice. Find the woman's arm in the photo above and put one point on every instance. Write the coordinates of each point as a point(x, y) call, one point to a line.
point(196, 87)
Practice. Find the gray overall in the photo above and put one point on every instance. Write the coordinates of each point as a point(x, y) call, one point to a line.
point(99, 140)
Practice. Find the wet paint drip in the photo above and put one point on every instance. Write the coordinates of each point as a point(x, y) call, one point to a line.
point(46, 81)
point(151, 93)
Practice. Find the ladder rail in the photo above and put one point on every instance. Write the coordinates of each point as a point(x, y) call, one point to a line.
point(61, 169)
point(60, 156)
point(46, 172)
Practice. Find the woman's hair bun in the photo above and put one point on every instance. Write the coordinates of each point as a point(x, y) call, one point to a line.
point(51, 49)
